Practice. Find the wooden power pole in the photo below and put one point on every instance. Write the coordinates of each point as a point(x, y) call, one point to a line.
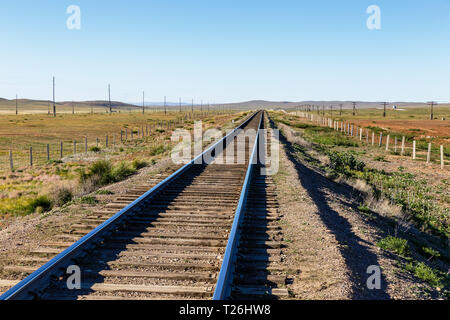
point(54, 105)
point(354, 108)
point(17, 108)
point(165, 109)
point(432, 104)
point(340, 109)
point(384, 108)
point(109, 98)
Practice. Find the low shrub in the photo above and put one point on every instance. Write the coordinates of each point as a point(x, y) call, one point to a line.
point(102, 173)
point(424, 272)
point(104, 192)
point(396, 245)
point(344, 162)
point(139, 164)
point(88, 200)
point(121, 172)
point(62, 195)
point(157, 150)
point(95, 149)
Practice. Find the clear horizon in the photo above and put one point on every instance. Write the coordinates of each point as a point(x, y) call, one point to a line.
point(228, 51)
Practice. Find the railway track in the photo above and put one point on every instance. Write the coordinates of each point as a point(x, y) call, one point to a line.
point(206, 231)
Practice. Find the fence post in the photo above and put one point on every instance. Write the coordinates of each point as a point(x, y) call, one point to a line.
point(74, 147)
point(367, 136)
point(403, 145)
point(11, 164)
point(395, 144)
point(381, 139)
point(121, 136)
point(61, 150)
point(373, 138)
point(97, 142)
point(48, 152)
point(414, 150)
point(85, 145)
point(31, 156)
point(429, 153)
point(106, 141)
point(360, 134)
point(387, 142)
point(442, 157)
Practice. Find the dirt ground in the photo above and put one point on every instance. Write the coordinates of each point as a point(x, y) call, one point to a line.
point(423, 128)
point(327, 238)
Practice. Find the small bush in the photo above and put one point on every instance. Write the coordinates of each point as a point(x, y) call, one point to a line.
point(40, 204)
point(121, 172)
point(396, 245)
point(429, 253)
point(100, 172)
point(380, 159)
point(139, 164)
point(104, 192)
point(95, 149)
point(424, 272)
point(157, 150)
point(88, 200)
point(61, 196)
point(342, 162)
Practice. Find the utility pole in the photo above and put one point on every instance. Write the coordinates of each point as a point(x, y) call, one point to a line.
point(165, 110)
point(109, 98)
point(54, 105)
point(48, 108)
point(432, 104)
point(180, 104)
point(73, 107)
point(384, 108)
point(331, 110)
point(340, 109)
point(143, 102)
point(192, 108)
point(17, 109)
point(354, 108)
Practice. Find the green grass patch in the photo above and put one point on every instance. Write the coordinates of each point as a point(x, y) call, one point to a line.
point(88, 200)
point(104, 192)
point(424, 273)
point(395, 245)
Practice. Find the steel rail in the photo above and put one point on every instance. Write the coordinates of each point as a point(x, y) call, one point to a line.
point(24, 289)
point(225, 279)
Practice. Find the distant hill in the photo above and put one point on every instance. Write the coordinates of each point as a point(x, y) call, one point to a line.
point(31, 105)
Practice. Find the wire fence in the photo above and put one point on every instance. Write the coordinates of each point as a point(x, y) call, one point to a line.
point(390, 142)
point(80, 147)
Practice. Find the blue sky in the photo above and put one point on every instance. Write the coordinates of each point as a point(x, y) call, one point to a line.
point(224, 51)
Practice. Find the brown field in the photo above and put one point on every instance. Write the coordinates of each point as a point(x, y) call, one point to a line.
point(422, 129)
